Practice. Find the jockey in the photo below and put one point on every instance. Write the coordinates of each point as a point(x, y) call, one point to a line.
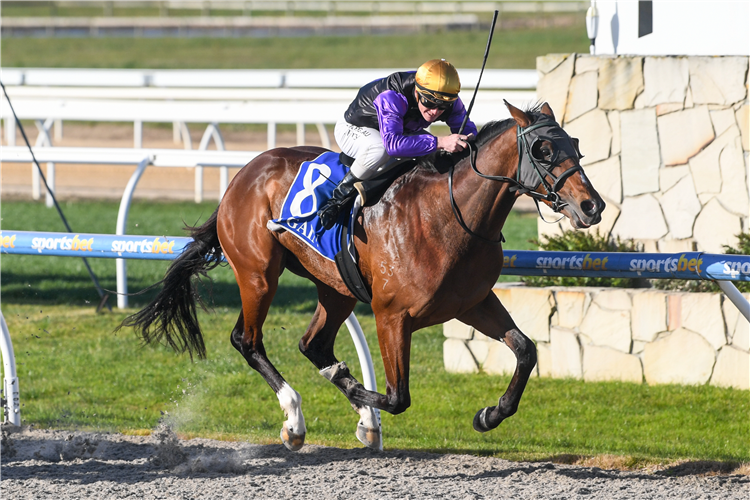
point(386, 122)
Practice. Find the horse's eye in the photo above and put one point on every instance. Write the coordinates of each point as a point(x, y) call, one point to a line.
point(541, 150)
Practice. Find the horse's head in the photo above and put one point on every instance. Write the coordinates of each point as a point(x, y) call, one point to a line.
point(549, 168)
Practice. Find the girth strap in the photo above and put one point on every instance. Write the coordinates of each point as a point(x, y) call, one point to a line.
point(348, 269)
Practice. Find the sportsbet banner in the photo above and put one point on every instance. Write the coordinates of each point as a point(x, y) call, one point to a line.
point(688, 265)
point(92, 245)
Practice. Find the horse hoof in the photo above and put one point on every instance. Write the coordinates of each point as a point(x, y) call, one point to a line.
point(480, 420)
point(372, 438)
point(291, 440)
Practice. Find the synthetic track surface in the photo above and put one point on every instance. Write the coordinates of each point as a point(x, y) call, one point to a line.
point(72, 465)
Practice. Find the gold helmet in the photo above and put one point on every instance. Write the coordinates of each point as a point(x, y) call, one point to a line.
point(437, 82)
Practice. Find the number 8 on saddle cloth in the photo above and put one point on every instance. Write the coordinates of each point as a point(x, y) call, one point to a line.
point(313, 186)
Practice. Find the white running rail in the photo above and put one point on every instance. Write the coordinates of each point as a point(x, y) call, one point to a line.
point(47, 112)
point(50, 96)
point(492, 79)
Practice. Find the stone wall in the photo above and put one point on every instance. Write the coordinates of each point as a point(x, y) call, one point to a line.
point(632, 335)
point(665, 141)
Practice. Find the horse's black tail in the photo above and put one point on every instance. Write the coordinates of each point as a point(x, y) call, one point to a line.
point(171, 317)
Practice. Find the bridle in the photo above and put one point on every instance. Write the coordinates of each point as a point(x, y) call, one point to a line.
point(527, 138)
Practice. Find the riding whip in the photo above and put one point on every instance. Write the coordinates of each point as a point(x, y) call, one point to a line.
point(486, 53)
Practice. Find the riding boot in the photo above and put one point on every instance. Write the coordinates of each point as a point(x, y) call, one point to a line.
point(342, 195)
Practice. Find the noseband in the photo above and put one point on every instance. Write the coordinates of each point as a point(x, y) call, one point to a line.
point(536, 169)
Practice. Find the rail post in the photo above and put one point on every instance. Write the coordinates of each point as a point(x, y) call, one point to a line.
point(11, 399)
point(121, 265)
point(365, 360)
point(736, 297)
point(212, 132)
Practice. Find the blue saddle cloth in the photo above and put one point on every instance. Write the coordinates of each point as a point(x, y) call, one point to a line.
point(312, 187)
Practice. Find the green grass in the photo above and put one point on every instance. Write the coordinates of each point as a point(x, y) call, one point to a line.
point(510, 49)
point(76, 373)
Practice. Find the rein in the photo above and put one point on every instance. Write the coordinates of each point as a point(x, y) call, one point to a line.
point(524, 148)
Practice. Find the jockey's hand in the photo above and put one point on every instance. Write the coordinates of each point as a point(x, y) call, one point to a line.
point(453, 143)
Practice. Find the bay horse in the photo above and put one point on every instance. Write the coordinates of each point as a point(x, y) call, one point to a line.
point(428, 251)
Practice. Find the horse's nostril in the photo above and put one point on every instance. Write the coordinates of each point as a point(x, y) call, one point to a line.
point(589, 207)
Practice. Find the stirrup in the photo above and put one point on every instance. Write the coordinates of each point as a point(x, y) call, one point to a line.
point(342, 195)
point(329, 213)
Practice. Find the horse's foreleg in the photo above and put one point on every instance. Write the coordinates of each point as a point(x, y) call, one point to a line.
point(493, 320)
point(317, 345)
point(394, 338)
point(396, 361)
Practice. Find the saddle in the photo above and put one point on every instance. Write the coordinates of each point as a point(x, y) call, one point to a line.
point(370, 192)
point(372, 189)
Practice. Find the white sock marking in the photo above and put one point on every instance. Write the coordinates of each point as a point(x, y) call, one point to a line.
point(368, 417)
point(291, 402)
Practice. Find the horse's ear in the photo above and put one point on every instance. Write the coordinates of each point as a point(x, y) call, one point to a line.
point(521, 118)
point(547, 110)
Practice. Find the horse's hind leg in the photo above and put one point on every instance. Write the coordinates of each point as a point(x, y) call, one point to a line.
point(492, 319)
point(258, 280)
point(317, 345)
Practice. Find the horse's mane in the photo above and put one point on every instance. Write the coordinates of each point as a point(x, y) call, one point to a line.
point(435, 162)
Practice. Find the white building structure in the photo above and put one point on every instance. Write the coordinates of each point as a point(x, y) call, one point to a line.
point(673, 27)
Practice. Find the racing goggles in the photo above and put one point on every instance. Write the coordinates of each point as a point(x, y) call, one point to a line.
point(430, 104)
point(432, 99)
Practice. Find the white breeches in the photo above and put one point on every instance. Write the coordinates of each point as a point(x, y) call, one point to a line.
point(364, 145)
